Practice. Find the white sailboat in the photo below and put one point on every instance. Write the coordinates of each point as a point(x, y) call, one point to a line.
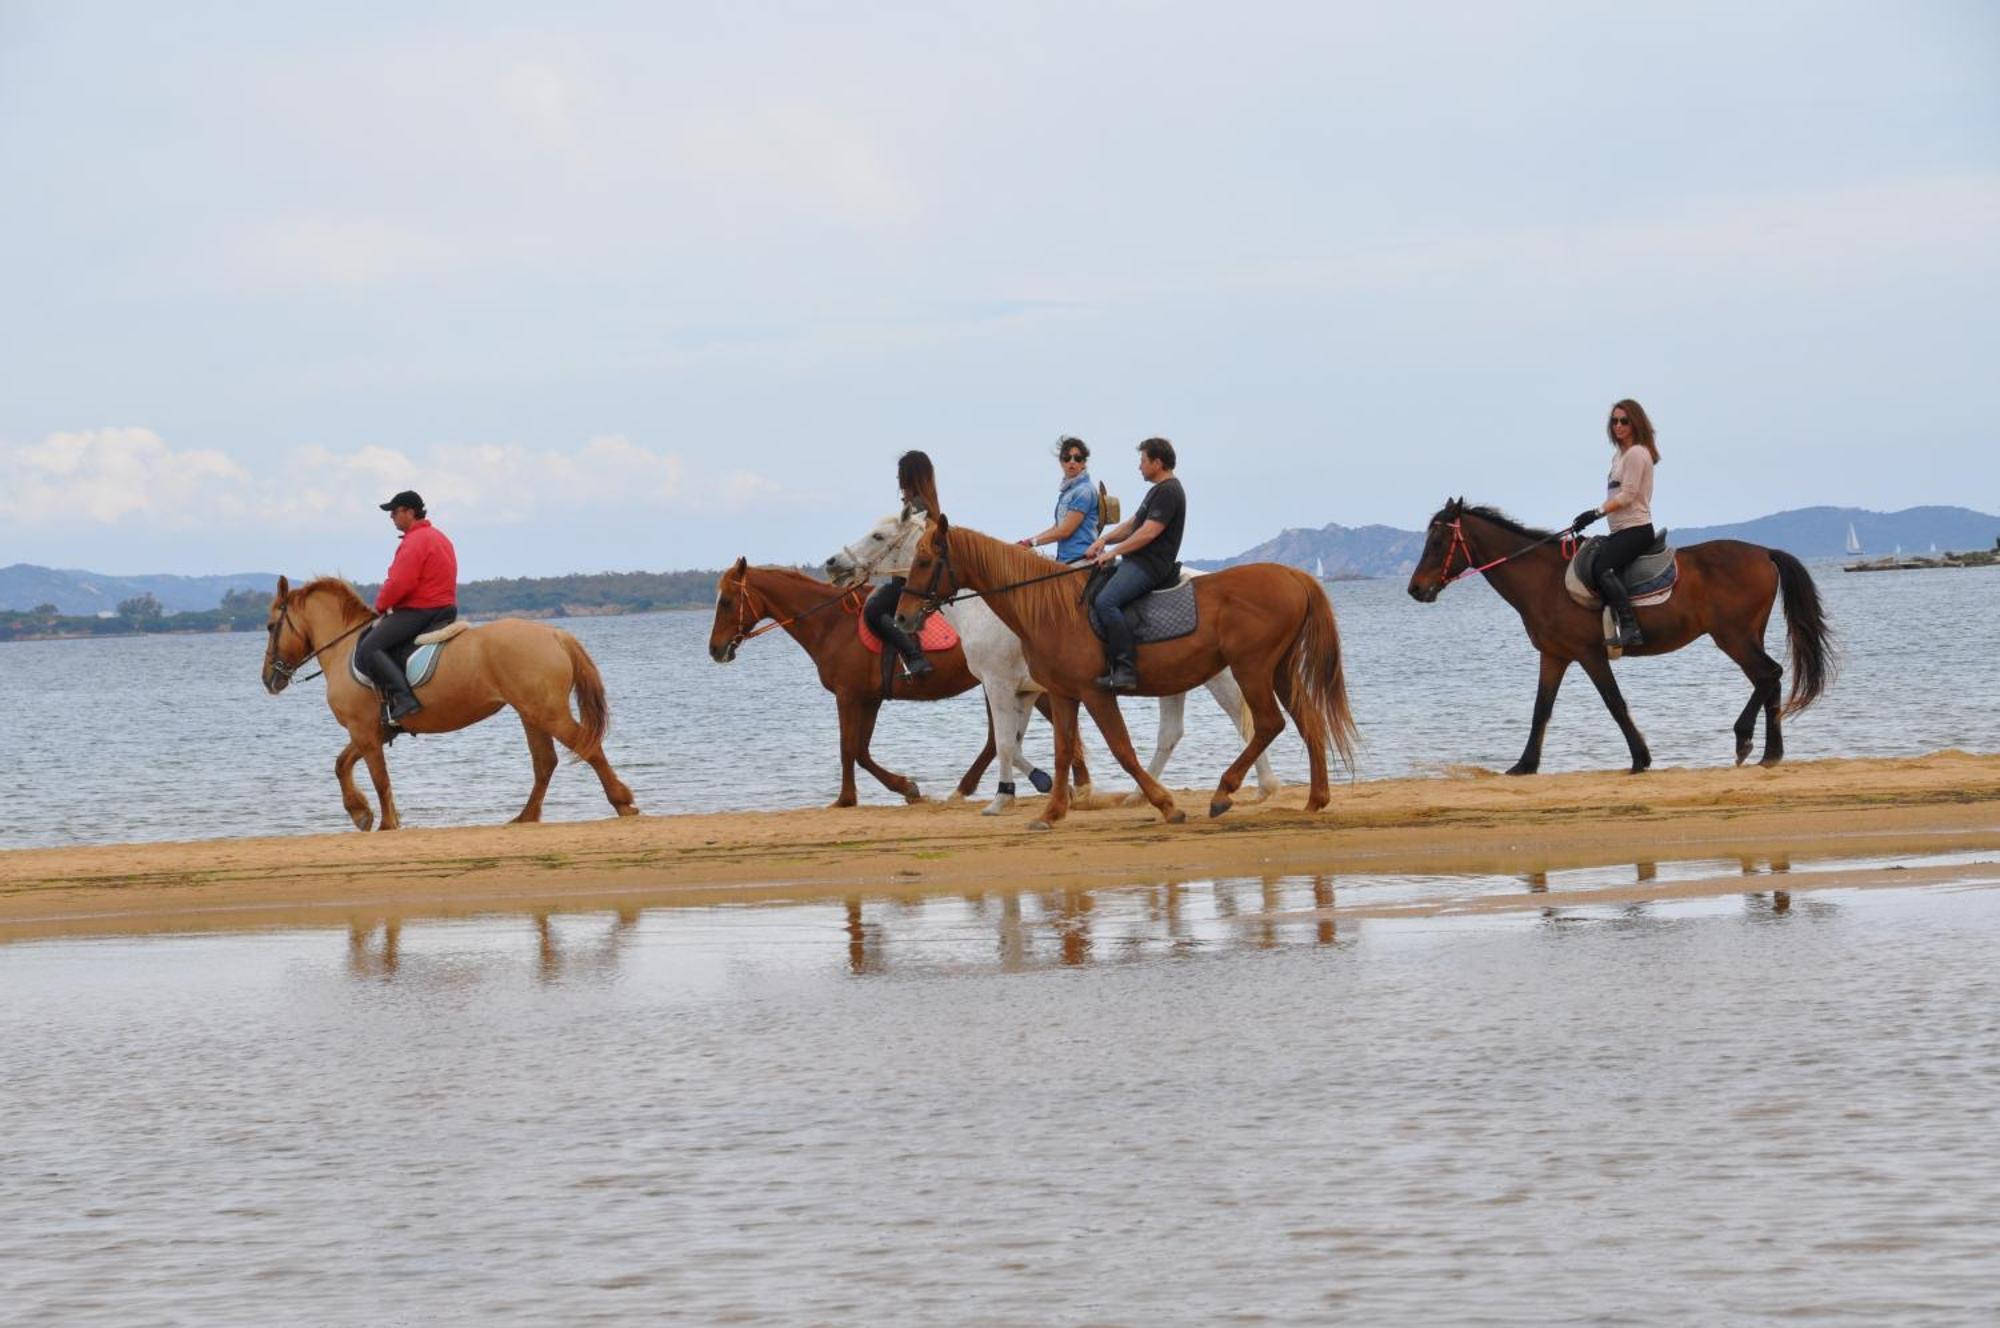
point(1853, 544)
point(1319, 569)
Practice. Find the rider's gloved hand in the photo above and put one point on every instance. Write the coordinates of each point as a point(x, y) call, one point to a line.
point(1583, 519)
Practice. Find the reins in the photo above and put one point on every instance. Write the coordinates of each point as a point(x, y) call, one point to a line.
point(284, 670)
point(745, 632)
point(1458, 542)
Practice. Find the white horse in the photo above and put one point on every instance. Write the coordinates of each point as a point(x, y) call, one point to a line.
point(993, 653)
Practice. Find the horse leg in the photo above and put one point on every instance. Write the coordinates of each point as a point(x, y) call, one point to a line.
point(1006, 717)
point(558, 724)
point(1553, 668)
point(378, 770)
point(849, 724)
point(864, 729)
point(542, 750)
point(1267, 722)
point(1766, 685)
point(968, 783)
point(1062, 716)
point(1230, 697)
point(1111, 723)
point(1173, 715)
point(357, 806)
point(1317, 793)
point(1599, 668)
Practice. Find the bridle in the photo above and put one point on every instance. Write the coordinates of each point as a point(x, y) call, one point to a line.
point(1473, 567)
point(936, 597)
point(746, 617)
point(279, 668)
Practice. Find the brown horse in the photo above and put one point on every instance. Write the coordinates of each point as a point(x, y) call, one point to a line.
point(1726, 590)
point(526, 665)
point(820, 617)
point(1269, 625)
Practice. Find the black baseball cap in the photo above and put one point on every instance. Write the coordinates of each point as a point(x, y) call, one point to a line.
point(407, 498)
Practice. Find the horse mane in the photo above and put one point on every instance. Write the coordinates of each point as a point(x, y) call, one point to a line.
point(1045, 604)
point(1500, 519)
point(353, 608)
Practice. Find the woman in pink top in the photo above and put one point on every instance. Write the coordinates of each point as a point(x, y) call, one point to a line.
point(1628, 502)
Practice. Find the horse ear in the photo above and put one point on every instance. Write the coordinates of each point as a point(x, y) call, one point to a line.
point(284, 587)
point(943, 524)
point(742, 565)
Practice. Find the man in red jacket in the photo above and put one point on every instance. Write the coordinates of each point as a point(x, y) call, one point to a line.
point(419, 595)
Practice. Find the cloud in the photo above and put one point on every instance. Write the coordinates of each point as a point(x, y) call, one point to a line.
point(107, 476)
point(131, 477)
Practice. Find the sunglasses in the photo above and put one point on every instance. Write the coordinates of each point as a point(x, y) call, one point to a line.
point(1072, 460)
point(1619, 419)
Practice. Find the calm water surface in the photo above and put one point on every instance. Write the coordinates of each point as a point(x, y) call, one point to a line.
point(1193, 1104)
point(173, 738)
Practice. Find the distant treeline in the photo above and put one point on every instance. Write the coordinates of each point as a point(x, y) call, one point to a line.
point(247, 610)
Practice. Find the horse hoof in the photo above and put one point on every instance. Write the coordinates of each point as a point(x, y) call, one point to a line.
point(913, 797)
point(1770, 762)
point(1040, 779)
point(1039, 825)
point(628, 810)
point(1176, 817)
point(1317, 804)
point(1218, 807)
point(1132, 799)
point(1522, 768)
point(997, 806)
point(1640, 768)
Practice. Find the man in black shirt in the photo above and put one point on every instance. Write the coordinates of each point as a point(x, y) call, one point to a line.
point(1151, 547)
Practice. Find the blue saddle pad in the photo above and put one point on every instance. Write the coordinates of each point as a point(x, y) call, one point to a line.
point(418, 668)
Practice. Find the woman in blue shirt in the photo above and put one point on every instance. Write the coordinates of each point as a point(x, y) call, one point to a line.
point(1077, 517)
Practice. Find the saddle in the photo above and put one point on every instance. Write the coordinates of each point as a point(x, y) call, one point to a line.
point(418, 660)
point(1648, 579)
point(1160, 615)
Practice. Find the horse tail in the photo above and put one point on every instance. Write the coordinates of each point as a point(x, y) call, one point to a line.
point(1806, 628)
point(1319, 680)
point(592, 710)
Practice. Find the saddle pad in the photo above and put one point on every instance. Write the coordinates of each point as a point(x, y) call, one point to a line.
point(1649, 580)
point(935, 634)
point(1162, 615)
point(421, 664)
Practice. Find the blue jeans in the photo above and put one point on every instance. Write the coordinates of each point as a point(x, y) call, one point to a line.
point(1128, 582)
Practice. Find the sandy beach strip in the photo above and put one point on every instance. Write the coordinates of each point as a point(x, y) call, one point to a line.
point(1462, 820)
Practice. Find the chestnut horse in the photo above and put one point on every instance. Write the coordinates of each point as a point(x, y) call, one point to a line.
point(529, 666)
point(1270, 625)
point(1726, 590)
point(820, 617)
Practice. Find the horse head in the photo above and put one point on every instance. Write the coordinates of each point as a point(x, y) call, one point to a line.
point(1444, 542)
point(285, 643)
point(886, 550)
point(930, 580)
point(735, 614)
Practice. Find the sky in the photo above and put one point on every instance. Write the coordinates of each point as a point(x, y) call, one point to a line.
point(649, 286)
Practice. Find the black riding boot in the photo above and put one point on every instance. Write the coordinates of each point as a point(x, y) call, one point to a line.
point(1121, 658)
point(1613, 590)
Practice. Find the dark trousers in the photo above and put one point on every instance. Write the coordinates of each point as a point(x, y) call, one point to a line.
point(1616, 554)
point(880, 615)
point(396, 630)
point(1128, 582)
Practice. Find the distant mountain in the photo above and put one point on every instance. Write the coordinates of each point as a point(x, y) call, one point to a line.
point(1345, 551)
point(1821, 532)
point(1809, 532)
point(25, 586)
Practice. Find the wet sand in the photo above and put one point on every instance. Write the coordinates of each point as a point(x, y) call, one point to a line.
point(1463, 820)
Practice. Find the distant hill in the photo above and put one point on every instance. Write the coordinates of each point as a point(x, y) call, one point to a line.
point(1809, 532)
point(25, 586)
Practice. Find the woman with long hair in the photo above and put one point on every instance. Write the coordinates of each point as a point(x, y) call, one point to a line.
point(1628, 502)
point(917, 480)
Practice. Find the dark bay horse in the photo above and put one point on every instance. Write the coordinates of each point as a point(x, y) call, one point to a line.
point(820, 617)
point(1271, 626)
point(1726, 591)
point(509, 662)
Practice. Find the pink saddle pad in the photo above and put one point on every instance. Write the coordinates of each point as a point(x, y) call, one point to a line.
point(937, 634)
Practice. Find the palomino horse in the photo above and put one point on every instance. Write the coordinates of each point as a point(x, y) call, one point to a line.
point(820, 617)
point(526, 665)
point(994, 655)
point(1269, 625)
point(1725, 591)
